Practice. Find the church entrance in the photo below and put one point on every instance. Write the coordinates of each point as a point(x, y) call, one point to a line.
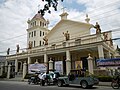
point(84, 62)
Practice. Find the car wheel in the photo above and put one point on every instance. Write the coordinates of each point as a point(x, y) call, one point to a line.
point(60, 83)
point(84, 84)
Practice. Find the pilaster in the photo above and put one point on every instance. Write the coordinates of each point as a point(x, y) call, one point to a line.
point(68, 62)
point(100, 52)
point(90, 64)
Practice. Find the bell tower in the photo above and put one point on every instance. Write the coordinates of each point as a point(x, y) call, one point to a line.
point(37, 29)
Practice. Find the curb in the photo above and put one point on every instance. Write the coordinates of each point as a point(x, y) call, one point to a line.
point(26, 80)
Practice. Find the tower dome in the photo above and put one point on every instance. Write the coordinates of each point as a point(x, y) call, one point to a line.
point(37, 20)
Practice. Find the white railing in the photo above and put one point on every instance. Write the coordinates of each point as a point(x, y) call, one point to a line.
point(61, 44)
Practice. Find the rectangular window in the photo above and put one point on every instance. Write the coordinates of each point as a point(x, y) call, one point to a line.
point(43, 43)
point(34, 33)
point(40, 33)
point(35, 23)
point(40, 43)
point(40, 23)
point(43, 33)
point(34, 43)
point(29, 34)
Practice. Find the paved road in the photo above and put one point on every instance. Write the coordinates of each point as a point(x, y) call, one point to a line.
point(13, 85)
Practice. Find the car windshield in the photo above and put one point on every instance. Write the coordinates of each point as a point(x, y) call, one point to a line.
point(78, 73)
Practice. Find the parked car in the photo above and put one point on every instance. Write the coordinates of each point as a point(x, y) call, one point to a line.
point(78, 77)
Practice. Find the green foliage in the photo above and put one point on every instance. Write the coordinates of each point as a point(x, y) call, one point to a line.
point(105, 78)
point(50, 3)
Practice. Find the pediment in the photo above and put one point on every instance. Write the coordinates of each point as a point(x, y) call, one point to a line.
point(74, 28)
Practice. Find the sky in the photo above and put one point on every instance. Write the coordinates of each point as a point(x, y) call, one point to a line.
point(15, 13)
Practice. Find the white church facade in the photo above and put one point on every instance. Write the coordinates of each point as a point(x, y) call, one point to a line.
point(68, 41)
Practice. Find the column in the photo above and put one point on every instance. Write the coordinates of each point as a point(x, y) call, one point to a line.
point(1, 70)
point(24, 69)
point(29, 60)
point(6, 64)
point(45, 58)
point(100, 52)
point(46, 61)
point(50, 65)
point(16, 66)
point(9, 69)
point(90, 64)
point(68, 62)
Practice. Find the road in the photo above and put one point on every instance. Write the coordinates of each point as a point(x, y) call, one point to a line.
point(13, 85)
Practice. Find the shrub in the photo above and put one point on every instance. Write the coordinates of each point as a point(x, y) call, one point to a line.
point(105, 78)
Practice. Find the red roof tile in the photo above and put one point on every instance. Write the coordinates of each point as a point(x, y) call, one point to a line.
point(38, 16)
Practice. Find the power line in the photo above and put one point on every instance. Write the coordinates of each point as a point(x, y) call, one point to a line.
point(99, 8)
point(106, 16)
point(92, 20)
point(112, 30)
point(12, 38)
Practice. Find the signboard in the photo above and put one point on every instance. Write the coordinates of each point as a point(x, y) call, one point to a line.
point(32, 68)
point(59, 66)
point(109, 62)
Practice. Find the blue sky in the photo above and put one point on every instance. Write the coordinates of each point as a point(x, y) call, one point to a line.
point(73, 5)
point(15, 13)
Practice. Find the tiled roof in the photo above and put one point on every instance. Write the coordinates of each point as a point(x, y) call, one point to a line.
point(38, 16)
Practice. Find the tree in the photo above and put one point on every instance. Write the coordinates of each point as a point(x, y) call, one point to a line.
point(50, 3)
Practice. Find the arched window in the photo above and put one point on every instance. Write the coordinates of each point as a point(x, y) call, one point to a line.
point(43, 33)
point(40, 43)
point(40, 23)
point(34, 33)
point(35, 23)
point(31, 24)
point(29, 34)
point(34, 43)
point(45, 24)
point(40, 33)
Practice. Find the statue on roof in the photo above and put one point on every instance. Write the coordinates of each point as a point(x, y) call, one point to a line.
point(97, 27)
point(8, 51)
point(105, 36)
point(111, 42)
point(67, 36)
point(18, 48)
point(46, 40)
point(30, 45)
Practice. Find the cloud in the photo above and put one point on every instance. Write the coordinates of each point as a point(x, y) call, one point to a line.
point(15, 13)
point(13, 22)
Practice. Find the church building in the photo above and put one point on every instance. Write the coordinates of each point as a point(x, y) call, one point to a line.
point(68, 42)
